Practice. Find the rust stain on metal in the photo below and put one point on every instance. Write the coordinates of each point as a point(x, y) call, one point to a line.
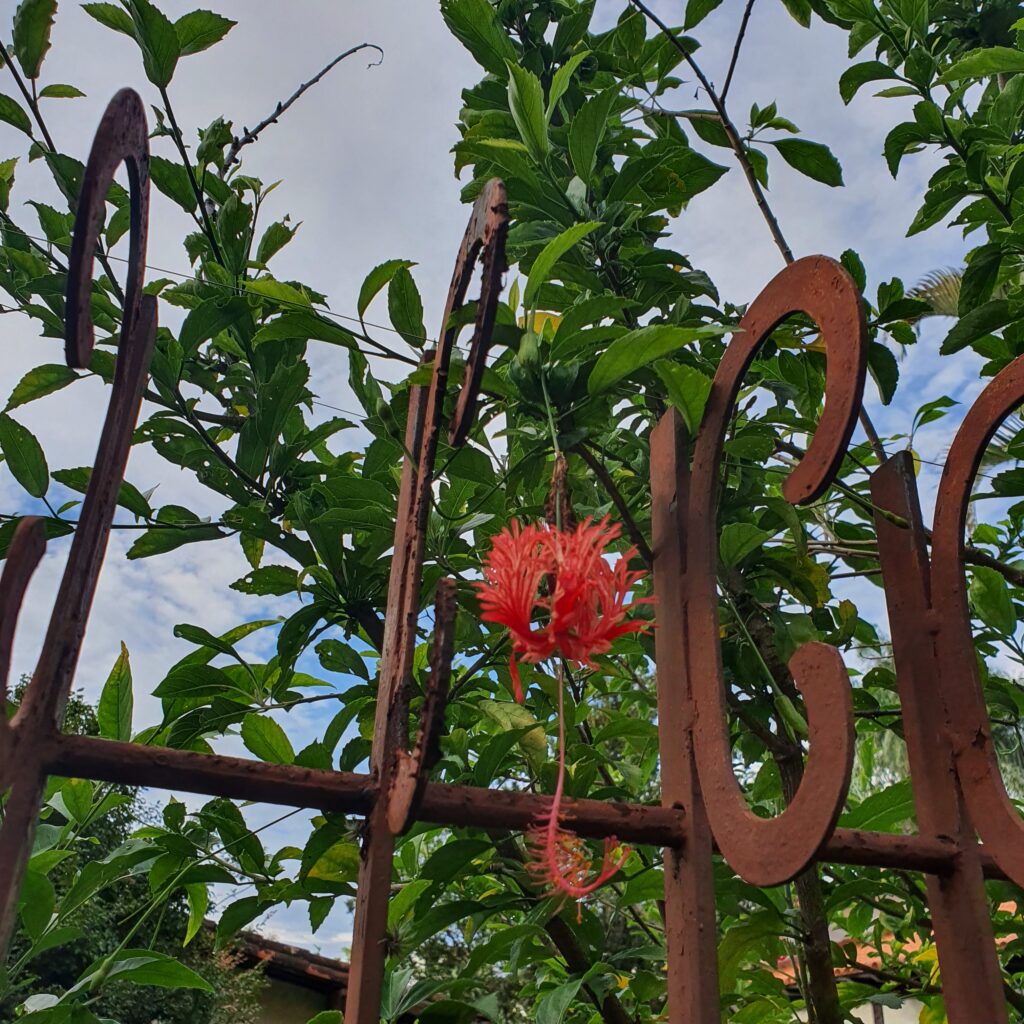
point(957, 784)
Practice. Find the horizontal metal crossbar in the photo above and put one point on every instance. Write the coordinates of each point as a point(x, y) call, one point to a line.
point(446, 804)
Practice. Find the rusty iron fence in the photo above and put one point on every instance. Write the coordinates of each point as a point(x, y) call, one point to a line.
point(958, 787)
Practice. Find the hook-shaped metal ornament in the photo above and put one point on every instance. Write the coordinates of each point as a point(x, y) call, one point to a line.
point(773, 851)
point(122, 137)
point(993, 813)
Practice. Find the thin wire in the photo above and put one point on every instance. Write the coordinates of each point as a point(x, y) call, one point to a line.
point(227, 288)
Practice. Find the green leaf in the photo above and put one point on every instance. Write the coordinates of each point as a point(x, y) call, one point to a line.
point(980, 277)
point(274, 239)
point(561, 79)
point(36, 903)
point(161, 539)
point(31, 37)
point(304, 325)
point(376, 279)
point(172, 179)
point(24, 456)
point(114, 711)
point(128, 496)
point(986, 63)
point(236, 916)
point(811, 158)
point(112, 16)
point(200, 683)
point(339, 863)
point(902, 138)
point(640, 347)
point(737, 540)
point(43, 380)
point(405, 308)
point(554, 1006)
point(12, 113)
point(587, 130)
point(198, 903)
point(990, 599)
point(526, 101)
point(688, 391)
point(476, 25)
point(199, 30)
point(60, 92)
point(276, 580)
point(208, 319)
point(550, 255)
point(800, 10)
point(158, 40)
point(697, 11)
point(988, 317)
point(884, 369)
point(327, 1017)
point(854, 77)
point(884, 811)
point(453, 858)
point(147, 967)
point(266, 739)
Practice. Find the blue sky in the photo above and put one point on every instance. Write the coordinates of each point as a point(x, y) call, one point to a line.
point(366, 167)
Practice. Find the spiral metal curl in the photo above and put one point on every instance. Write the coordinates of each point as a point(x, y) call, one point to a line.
point(773, 851)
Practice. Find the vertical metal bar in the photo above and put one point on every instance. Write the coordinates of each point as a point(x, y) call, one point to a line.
point(122, 138)
point(485, 233)
point(390, 735)
point(971, 976)
point(690, 932)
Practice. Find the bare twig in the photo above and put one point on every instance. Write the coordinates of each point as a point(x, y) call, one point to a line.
point(736, 49)
point(179, 142)
point(730, 130)
point(251, 134)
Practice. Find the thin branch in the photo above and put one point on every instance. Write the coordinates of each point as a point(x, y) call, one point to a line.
point(252, 134)
point(730, 130)
point(179, 142)
point(736, 49)
point(634, 531)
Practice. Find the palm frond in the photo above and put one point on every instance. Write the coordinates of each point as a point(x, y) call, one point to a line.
point(941, 290)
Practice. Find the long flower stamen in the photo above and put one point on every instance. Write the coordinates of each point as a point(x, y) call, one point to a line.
point(559, 858)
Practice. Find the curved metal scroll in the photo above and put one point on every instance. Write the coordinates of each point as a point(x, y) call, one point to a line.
point(772, 851)
point(122, 137)
point(997, 821)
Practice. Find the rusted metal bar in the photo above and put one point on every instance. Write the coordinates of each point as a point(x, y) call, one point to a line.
point(691, 954)
point(447, 804)
point(771, 851)
point(122, 138)
point(413, 770)
point(977, 764)
point(484, 237)
point(971, 975)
